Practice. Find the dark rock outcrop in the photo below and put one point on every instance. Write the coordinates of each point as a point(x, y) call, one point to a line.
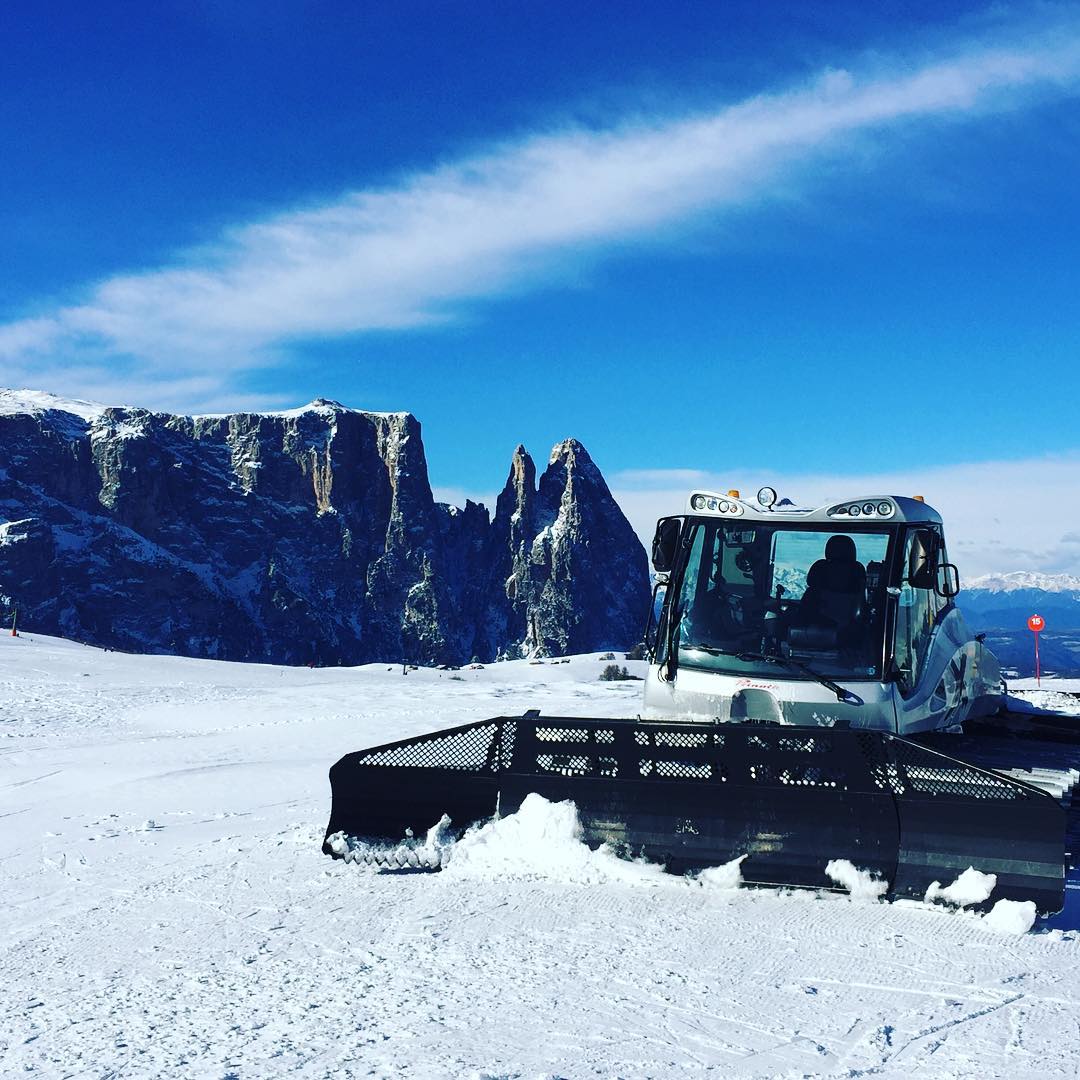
point(303, 536)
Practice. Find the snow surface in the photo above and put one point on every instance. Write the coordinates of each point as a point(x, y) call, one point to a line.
point(168, 912)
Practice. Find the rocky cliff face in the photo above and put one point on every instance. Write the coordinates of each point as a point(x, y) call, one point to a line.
point(309, 535)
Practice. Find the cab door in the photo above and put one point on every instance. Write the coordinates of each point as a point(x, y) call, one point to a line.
point(930, 657)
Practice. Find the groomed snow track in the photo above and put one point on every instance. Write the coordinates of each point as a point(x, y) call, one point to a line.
point(695, 795)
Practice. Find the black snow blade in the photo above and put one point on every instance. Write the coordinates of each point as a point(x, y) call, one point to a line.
point(694, 795)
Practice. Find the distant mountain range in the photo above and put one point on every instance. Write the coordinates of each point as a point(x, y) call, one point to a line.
point(999, 605)
point(1005, 600)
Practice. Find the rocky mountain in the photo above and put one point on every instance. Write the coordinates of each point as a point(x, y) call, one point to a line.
point(302, 536)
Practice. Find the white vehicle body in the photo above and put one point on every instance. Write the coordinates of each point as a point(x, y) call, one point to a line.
point(907, 664)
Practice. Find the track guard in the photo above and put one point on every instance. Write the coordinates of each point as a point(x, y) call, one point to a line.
point(954, 815)
point(695, 795)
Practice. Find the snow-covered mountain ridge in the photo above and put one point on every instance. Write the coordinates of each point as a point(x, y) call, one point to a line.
point(1025, 579)
point(36, 402)
point(304, 535)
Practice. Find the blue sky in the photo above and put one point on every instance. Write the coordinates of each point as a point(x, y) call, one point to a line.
point(778, 239)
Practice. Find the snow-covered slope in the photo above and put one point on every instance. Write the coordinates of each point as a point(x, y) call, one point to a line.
point(168, 912)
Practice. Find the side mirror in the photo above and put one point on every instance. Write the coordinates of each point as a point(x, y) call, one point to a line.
point(948, 580)
point(921, 569)
point(665, 545)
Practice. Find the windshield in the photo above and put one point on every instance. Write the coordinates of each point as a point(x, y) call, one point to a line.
point(812, 595)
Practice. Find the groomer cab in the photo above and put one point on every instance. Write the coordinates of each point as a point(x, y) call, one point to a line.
point(843, 614)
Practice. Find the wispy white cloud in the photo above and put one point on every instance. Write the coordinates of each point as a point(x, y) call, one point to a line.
point(999, 516)
point(407, 254)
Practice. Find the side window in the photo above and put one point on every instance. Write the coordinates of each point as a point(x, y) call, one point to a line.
point(915, 614)
point(695, 577)
point(940, 603)
point(674, 607)
point(704, 607)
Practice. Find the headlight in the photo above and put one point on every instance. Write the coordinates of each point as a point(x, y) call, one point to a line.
point(711, 504)
point(868, 508)
point(884, 508)
point(698, 502)
point(722, 506)
point(855, 511)
point(766, 497)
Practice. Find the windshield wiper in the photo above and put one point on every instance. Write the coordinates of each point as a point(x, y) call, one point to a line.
point(712, 650)
point(845, 696)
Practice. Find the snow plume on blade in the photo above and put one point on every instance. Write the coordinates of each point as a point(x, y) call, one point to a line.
point(861, 884)
point(971, 887)
point(411, 251)
point(542, 840)
point(728, 876)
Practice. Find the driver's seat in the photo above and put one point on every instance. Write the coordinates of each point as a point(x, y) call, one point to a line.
point(832, 605)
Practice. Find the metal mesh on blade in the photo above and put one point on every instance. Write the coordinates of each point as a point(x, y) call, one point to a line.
point(474, 749)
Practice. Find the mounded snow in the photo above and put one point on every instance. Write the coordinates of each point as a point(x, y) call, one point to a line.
point(167, 911)
point(728, 876)
point(971, 887)
point(1011, 916)
point(861, 884)
point(541, 840)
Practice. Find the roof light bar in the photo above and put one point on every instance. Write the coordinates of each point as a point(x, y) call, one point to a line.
point(883, 508)
point(716, 504)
